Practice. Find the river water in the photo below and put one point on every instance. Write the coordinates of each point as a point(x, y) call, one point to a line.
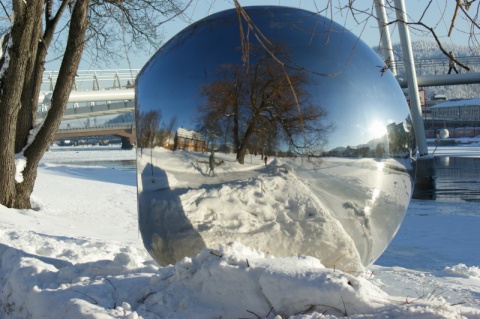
point(95, 156)
point(456, 179)
point(124, 165)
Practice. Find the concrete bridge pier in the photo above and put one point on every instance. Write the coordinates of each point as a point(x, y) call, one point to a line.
point(425, 179)
point(127, 143)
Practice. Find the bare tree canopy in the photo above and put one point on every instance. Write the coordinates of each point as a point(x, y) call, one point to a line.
point(444, 21)
point(33, 28)
point(257, 106)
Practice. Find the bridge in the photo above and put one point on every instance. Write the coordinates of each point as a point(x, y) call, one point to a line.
point(439, 66)
point(92, 110)
point(95, 93)
point(94, 80)
point(111, 92)
point(434, 72)
point(125, 131)
point(114, 89)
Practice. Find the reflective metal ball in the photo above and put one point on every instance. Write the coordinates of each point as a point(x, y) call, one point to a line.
point(287, 134)
point(444, 133)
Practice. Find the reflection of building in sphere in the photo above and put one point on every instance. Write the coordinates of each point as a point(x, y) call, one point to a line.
point(337, 135)
point(189, 141)
point(398, 138)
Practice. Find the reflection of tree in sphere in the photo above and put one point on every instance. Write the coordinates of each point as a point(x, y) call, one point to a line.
point(444, 133)
point(298, 89)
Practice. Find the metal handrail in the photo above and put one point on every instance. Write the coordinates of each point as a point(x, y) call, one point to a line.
point(125, 78)
point(94, 79)
point(471, 61)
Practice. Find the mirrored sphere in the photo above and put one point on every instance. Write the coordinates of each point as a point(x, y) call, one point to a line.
point(287, 134)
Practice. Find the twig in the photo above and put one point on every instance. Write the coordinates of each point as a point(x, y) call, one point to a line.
point(437, 40)
point(312, 307)
point(142, 300)
point(169, 276)
point(344, 307)
point(216, 254)
point(454, 17)
point(114, 288)
point(94, 301)
point(268, 314)
point(458, 303)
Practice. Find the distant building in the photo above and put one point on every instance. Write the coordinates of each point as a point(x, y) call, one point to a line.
point(468, 109)
point(189, 141)
point(460, 117)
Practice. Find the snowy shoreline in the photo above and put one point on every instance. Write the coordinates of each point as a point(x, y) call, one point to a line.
point(79, 249)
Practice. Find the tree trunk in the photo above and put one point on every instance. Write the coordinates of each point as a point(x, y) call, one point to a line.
point(236, 128)
point(34, 75)
point(29, 102)
point(242, 150)
point(241, 154)
point(71, 59)
point(23, 31)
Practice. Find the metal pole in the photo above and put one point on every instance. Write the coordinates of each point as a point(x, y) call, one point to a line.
point(386, 42)
point(415, 107)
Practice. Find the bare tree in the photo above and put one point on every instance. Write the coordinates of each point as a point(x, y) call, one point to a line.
point(32, 27)
point(151, 132)
point(257, 103)
point(463, 11)
point(147, 128)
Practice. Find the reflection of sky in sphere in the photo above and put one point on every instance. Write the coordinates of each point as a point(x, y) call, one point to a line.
point(358, 99)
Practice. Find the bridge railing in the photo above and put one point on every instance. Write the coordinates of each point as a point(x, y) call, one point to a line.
point(94, 79)
point(125, 78)
point(439, 65)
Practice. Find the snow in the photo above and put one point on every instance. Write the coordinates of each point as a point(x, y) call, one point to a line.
point(4, 52)
point(78, 254)
point(20, 164)
point(460, 102)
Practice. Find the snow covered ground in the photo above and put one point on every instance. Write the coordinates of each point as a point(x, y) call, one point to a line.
point(78, 254)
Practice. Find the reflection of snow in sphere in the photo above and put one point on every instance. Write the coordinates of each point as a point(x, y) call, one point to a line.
point(443, 133)
point(338, 178)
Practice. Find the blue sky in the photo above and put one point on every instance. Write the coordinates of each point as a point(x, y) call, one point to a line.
point(367, 31)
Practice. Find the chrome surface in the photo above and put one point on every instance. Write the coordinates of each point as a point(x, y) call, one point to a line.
point(315, 99)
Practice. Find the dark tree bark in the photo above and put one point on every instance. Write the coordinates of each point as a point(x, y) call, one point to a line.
point(15, 70)
point(73, 53)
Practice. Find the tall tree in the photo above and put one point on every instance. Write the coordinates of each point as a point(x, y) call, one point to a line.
point(33, 23)
point(264, 103)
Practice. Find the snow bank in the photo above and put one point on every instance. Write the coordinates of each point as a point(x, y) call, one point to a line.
point(78, 255)
point(232, 282)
